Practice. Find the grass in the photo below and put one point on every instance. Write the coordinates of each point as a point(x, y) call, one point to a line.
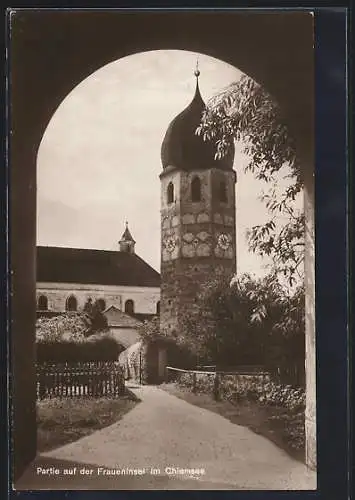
point(271, 422)
point(62, 421)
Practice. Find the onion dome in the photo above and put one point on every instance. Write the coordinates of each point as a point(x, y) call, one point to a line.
point(182, 148)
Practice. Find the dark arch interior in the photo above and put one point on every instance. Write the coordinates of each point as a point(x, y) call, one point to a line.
point(129, 306)
point(72, 303)
point(42, 303)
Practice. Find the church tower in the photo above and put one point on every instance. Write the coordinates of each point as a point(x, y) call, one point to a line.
point(198, 238)
point(127, 242)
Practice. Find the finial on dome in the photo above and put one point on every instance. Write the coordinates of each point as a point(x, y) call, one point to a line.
point(197, 71)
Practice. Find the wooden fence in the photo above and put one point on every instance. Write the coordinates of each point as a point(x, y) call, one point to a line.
point(89, 379)
point(217, 377)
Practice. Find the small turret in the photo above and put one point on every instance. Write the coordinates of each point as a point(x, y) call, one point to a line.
point(127, 242)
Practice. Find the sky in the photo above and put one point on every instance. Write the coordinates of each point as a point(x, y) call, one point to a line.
point(99, 160)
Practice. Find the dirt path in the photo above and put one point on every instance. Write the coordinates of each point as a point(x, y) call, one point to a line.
point(162, 432)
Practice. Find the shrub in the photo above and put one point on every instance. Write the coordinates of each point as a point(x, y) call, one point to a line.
point(255, 388)
point(67, 326)
point(94, 348)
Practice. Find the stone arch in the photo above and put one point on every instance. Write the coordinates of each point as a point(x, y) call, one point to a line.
point(283, 39)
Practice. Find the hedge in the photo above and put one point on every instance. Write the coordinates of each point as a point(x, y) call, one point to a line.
point(94, 348)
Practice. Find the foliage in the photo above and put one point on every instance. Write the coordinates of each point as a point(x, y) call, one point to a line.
point(249, 322)
point(246, 113)
point(149, 331)
point(235, 388)
point(94, 348)
point(93, 311)
point(180, 350)
point(67, 326)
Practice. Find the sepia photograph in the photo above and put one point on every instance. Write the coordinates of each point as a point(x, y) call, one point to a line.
point(163, 252)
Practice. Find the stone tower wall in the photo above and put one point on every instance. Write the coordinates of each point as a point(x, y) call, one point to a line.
point(191, 252)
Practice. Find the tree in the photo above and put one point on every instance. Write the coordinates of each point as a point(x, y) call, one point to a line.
point(98, 321)
point(249, 321)
point(246, 113)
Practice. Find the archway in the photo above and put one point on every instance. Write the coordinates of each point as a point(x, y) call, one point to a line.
point(279, 55)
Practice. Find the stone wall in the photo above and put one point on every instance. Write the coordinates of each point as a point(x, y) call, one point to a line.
point(191, 253)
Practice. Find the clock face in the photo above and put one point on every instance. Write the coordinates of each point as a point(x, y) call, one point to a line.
point(224, 241)
point(170, 243)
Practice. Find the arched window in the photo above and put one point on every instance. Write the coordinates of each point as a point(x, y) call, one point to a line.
point(158, 307)
point(129, 306)
point(72, 303)
point(42, 303)
point(196, 189)
point(102, 304)
point(223, 192)
point(170, 192)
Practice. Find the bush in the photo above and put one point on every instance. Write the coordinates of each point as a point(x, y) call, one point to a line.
point(94, 348)
point(255, 388)
point(71, 326)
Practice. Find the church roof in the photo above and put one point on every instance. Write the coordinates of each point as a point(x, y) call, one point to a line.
point(182, 148)
point(99, 267)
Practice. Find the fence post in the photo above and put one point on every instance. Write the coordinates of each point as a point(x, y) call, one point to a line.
point(216, 385)
point(194, 385)
point(140, 368)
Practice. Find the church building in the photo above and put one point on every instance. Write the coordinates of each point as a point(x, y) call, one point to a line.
point(68, 277)
point(198, 234)
point(198, 239)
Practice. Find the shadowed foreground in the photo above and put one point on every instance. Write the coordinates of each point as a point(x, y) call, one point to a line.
point(166, 432)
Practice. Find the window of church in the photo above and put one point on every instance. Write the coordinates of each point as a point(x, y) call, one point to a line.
point(71, 304)
point(42, 303)
point(170, 192)
point(196, 189)
point(223, 192)
point(129, 306)
point(158, 307)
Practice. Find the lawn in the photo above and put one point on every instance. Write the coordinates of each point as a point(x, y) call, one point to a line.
point(63, 420)
point(272, 422)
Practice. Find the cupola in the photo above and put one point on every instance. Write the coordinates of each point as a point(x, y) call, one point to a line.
point(127, 242)
point(183, 149)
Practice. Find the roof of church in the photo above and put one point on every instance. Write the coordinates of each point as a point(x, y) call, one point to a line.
point(101, 267)
point(182, 148)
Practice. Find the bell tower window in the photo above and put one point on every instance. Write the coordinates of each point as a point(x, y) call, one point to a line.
point(170, 192)
point(223, 192)
point(196, 189)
